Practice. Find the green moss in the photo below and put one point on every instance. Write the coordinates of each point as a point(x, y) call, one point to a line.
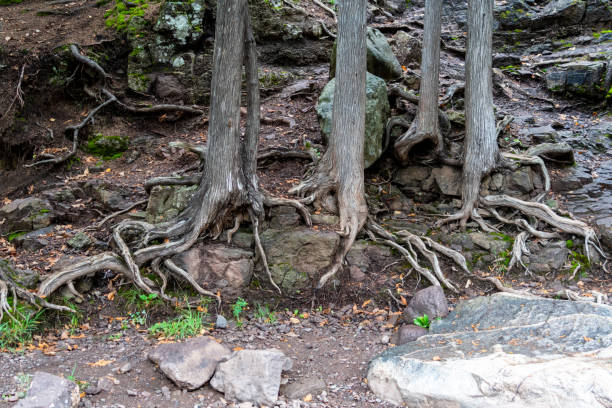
point(120, 15)
point(8, 2)
point(107, 147)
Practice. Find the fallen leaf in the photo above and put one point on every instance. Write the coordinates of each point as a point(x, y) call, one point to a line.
point(100, 363)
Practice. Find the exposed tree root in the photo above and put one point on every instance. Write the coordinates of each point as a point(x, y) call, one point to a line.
point(409, 240)
point(324, 7)
point(113, 215)
point(18, 95)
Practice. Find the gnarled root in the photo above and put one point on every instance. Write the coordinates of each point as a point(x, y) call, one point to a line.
point(410, 255)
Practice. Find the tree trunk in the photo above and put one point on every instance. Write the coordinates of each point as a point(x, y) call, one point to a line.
point(340, 170)
point(480, 149)
point(426, 124)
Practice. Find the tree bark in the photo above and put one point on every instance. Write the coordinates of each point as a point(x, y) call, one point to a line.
point(426, 124)
point(481, 152)
point(340, 170)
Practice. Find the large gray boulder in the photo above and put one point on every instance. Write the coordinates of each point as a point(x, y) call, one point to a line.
point(377, 113)
point(504, 351)
point(381, 61)
point(47, 390)
point(586, 78)
point(189, 364)
point(252, 375)
point(25, 214)
point(295, 256)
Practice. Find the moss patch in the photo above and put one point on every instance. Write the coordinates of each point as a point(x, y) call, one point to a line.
point(107, 147)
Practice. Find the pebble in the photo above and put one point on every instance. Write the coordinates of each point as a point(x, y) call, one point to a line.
point(221, 322)
point(385, 339)
point(125, 368)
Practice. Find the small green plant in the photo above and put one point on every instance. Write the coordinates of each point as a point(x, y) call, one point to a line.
point(264, 313)
point(15, 234)
point(189, 323)
point(18, 328)
point(147, 298)
point(115, 337)
point(138, 318)
point(237, 308)
point(422, 321)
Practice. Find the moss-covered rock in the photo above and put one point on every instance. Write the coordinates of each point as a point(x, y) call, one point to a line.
point(295, 256)
point(166, 202)
point(381, 61)
point(377, 113)
point(107, 147)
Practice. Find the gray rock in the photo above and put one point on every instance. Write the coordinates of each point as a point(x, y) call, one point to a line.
point(604, 224)
point(519, 181)
point(493, 243)
point(412, 176)
point(25, 214)
point(169, 88)
point(550, 258)
point(542, 134)
point(407, 333)
point(598, 11)
point(189, 364)
point(571, 178)
point(586, 78)
point(79, 241)
point(429, 301)
point(504, 60)
point(49, 390)
point(23, 277)
point(221, 322)
point(561, 12)
point(407, 48)
point(514, 14)
point(296, 255)
point(218, 267)
point(525, 352)
point(302, 387)
point(356, 274)
point(252, 376)
point(381, 61)
point(283, 216)
point(377, 113)
point(166, 202)
point(35, 240)
point(448, 179)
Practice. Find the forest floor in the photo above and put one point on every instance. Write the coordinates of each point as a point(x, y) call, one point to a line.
point(332, 338)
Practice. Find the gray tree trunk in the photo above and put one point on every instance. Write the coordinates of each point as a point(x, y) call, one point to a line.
point(340, 170)
point(481, 152)
point(426, 124)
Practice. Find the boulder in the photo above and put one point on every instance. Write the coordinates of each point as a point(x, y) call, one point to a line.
point(585, 78)
point(252, 376)
point(448, 179)
point(47, 390)
point(166, 202)
point(407, 48)
point(377, 113)
point(407, 333)
point(26, 278)
point(297, 255)
point(519, 182)
point(493, 242)
point(549, 258)
point(429, 301)
point(302, 387)
point(381, 61)
point(597, 11)
point(514, 14)
point(25, 214)
point(218, 267)
point(34, 240)
point(560, 12)
point(189, 364)
point(506, 351)
point(542, 134)
point(283, 216)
